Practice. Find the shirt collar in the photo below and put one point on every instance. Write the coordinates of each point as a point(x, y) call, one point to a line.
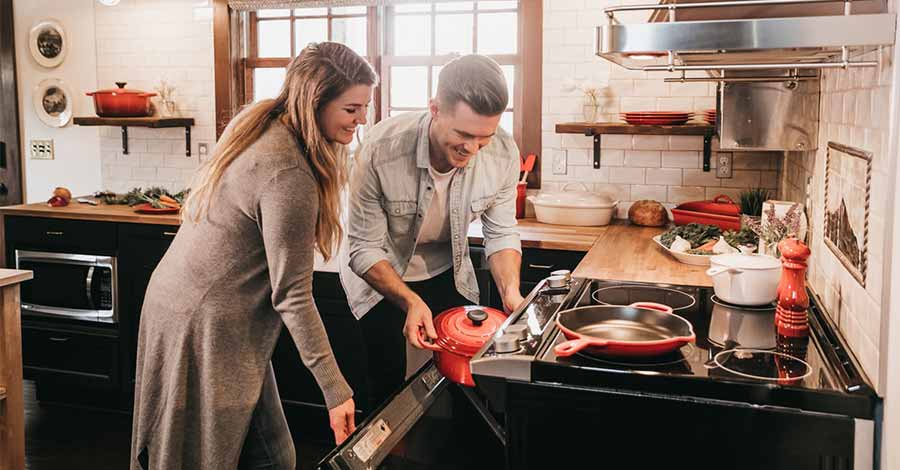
point(422, 144)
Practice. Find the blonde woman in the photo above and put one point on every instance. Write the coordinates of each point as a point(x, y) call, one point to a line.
point(240, 266)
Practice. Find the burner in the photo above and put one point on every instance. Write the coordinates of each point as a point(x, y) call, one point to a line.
point(763, 365)
point(749, 308)
point(732, 326)
point(629, 294)
point(671, 358)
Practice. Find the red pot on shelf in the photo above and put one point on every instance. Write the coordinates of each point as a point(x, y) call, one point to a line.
point(462, 331)
point(122, 102)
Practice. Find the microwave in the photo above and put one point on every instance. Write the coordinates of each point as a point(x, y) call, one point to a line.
point(74, 286)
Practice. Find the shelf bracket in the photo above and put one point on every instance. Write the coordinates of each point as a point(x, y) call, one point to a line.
point(591, 133)
point(707, 150)
point(187, 140)
point(125, 140)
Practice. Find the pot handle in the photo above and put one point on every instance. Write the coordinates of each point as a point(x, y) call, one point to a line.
point(583, 186)
point(713, 272)
point(571, 347)
point(653, 306)
point(428, 345)
point(723, 197)
point(147, 95)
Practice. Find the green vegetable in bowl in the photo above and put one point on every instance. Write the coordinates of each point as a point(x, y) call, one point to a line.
point(696, 234)
point(742, 237)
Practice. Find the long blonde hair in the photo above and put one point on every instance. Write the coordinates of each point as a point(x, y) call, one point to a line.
point(315, 77)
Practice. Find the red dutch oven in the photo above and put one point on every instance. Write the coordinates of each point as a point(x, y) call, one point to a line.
point(721, 212)
point(461, 332)
point(121, 102)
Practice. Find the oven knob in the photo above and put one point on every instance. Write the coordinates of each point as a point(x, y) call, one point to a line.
point(519, 331)
point(556, 282)
point(506, 344)
point(564, 273)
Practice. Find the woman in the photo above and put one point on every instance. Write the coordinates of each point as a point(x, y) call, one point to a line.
point(242, 264)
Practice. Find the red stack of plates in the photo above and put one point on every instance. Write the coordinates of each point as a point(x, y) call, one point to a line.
point(710, 116)
point(657, 118)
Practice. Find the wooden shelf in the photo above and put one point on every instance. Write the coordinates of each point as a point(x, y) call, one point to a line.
point(596, 129)
point(151, 122)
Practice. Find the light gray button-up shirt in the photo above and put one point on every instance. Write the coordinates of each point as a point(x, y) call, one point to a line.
point(390, 190)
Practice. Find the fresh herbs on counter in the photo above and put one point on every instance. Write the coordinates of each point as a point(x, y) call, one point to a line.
point(157, 197)
point(702, 237)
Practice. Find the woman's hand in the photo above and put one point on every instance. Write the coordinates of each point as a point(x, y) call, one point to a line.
point(343, 420)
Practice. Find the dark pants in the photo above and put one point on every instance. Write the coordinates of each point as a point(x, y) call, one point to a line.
point(383, 332)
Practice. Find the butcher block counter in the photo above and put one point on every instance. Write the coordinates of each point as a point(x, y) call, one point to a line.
point(628, 253)
point(102, 213)
point(535, 234)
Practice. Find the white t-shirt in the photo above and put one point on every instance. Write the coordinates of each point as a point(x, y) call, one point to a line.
point(433, 254)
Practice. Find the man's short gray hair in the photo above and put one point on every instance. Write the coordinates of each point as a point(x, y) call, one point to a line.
point(475, 80)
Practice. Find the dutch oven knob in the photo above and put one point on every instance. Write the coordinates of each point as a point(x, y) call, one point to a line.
point(477, 316)
point(121, 84)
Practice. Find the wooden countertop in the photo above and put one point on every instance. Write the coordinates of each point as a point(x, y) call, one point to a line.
point(103, 213)
point(14, 276)
point(535, 234)
point(627, 253)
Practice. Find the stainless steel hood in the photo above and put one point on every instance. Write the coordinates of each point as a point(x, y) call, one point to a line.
point(751, 11)
point(803, 42)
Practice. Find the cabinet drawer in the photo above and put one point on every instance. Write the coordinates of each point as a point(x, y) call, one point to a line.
point(149, 231)
point(538, 264)
point(77, 356)
point(78, 236)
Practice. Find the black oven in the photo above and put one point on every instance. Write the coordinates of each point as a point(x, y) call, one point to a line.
point(69, 285)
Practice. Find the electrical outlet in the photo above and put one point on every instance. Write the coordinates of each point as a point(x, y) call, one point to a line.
point(42, 149)
point(559, 162)
point(723, 164)
point(203, 149)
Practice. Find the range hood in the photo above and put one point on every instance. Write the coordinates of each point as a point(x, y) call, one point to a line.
point(718, 36)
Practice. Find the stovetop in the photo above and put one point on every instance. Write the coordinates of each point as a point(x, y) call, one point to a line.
point(737, 354)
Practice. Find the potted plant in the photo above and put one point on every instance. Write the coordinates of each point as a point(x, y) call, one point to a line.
point(752, 200)
point(593, 94)
point(772, 229)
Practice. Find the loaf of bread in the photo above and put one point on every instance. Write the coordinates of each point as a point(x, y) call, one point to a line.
point(648, 213)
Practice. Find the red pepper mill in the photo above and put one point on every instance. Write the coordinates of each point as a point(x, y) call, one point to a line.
point(791, 314)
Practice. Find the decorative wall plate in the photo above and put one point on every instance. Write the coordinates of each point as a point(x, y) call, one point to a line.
point(48, 42)
point(848, 177)
point(53, 102)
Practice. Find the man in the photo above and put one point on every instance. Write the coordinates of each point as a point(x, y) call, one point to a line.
point(417, 183)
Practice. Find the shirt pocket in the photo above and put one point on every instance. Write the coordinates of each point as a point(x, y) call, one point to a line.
point(401, 216)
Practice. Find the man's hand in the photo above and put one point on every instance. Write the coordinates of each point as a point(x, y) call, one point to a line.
point(343, 420)
point(512, 299)
point(418, 317)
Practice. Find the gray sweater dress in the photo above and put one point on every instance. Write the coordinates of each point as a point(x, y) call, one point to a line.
point(215, 306)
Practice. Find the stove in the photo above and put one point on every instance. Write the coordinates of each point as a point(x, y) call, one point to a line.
point(738, 369)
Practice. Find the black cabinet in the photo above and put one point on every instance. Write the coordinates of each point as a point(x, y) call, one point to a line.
point(59, 235)
point(537, 264)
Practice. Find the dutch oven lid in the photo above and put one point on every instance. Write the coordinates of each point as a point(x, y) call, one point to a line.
point(464, 330)
point(583, 199)
point(746, 261)
point(121, 90)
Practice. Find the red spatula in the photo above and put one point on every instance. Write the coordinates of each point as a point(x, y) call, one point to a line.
point(527, 166)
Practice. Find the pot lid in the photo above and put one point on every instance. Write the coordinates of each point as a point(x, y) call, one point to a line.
point(121, 90)
point(742, 261)
point(574, 199)
point(464, 330)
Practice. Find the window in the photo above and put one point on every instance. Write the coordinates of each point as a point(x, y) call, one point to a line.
point(407, 44)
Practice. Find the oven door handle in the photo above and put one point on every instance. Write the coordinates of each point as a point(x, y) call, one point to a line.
point(88, 282)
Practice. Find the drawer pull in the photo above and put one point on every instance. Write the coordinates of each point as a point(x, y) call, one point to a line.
point(55, 234)
point(58, 339)
point(540, 266)
point(169, 234)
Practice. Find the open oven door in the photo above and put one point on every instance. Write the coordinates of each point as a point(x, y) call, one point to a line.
point(430, 423)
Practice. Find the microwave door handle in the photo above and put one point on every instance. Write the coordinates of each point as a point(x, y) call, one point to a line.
point(88, 282)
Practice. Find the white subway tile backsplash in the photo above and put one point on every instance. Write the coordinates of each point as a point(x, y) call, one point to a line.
point(685, 142)
point(681, 159)
point(655, 192)
point(642, 158)
point(651, 142)
point(611, 157)
point(664, 176)
point(626, 175)
point(742, 179)
point(616, 192)
point(700, 178)
point(680, 194)
point(614, 141)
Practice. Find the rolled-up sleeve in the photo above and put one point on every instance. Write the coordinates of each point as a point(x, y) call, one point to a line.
point(366, 224)
point(499, 220)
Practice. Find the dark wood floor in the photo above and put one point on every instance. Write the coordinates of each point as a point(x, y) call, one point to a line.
point(61, 437)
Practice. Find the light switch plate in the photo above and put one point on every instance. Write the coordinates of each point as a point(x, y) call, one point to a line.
point(559, 162)
point(42, 149)
point(724, 164)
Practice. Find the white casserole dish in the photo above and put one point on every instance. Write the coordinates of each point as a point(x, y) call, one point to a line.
point(582, 208)
point(743, 279)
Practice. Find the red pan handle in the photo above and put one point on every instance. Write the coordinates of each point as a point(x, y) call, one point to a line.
point(428, 344)
point(571, 347)
point(653, 306)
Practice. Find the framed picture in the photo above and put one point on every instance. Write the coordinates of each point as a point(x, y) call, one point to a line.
point(48, 42)
point(848, 176)
point(53, 102)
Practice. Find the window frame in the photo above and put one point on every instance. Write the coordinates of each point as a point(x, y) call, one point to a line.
point(236, 58)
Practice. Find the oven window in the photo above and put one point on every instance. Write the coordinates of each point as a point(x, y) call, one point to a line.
point(64, 285)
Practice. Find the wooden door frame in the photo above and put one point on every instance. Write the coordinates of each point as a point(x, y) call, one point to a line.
point(10, 134)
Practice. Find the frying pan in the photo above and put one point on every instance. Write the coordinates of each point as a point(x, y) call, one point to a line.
point(639, 330)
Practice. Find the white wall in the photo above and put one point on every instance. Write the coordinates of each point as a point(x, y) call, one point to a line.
point(141, 42)
point(667, 169)
point(77, 149)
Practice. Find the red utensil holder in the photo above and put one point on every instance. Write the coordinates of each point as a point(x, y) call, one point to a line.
point(520, 200)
